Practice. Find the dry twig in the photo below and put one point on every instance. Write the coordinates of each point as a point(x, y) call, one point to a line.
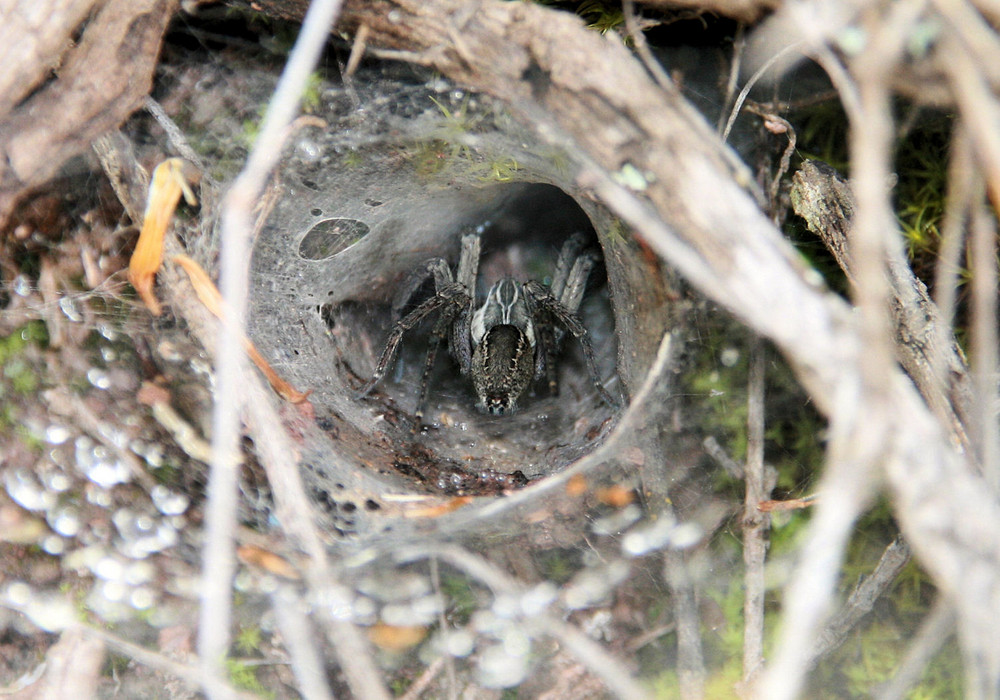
point(756, 522)
point(236, 220)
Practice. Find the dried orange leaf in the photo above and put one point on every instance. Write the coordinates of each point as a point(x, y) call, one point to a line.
point(283, 388)
point(204, 287)
point(394, 637)
point(165, 191)
point(439, 510)
point(790, 504)
point(617, 495)
point(152, 394)
point(269, 561)
point(577, 485)
point(209, 295)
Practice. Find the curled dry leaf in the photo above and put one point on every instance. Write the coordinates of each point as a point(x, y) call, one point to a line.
point(168, 184)
point(267, 560)
point(437, 511)
point(395, 637)
point(791, 504)
point(616, 495)
point(209, 295)
point(577, 485)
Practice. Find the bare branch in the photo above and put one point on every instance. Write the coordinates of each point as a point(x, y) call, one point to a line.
point(236, 218)
point(587, 651)
point(926, 347)
point(300, 642)
point(935, 630)
point(690, 660)
point(863, 597)
point(755, 522)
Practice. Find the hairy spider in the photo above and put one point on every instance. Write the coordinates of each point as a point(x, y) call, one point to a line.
point(510, 340)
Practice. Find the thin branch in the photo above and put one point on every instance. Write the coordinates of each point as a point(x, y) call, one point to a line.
point(755, 522)
point(735, 65)
point(863, 597)
point(719, 455)
point(860, 428)
point(443, 625)
point(220, 512)
point(642, 48)
point(985, 340)
point(690, 659)
point(965, 187)
point(174, 134)
point(754, 79)
point(936, 629)
point(299, 639)
point(424, 679)
point(587, 651)
point(158, 662)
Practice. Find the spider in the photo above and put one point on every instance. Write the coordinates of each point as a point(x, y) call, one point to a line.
point(509, 341)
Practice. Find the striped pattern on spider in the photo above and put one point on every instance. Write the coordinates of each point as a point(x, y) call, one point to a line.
point(509, 341)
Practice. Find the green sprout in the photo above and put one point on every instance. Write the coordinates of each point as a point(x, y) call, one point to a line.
point(601, 16)
point(249, 639)
point(501, 170)
point(244, 675)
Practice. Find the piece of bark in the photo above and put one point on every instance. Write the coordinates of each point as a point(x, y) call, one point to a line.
point(99, 81)
point(931, 358)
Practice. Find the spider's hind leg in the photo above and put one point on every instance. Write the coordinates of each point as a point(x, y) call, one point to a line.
point(564, 264)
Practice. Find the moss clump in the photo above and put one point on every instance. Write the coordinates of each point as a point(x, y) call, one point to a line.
point(18, 371)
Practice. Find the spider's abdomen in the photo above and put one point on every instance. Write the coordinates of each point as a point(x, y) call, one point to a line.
point(503, 365)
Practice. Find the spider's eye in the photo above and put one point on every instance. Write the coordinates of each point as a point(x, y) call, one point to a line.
point(498, 405)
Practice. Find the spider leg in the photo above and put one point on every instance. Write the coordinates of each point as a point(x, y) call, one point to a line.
point(451, 295)
point(468, 261)
point(415, 280)
point(564, 264)
point(576, 283)
point(440, 331)
point(546, 356)
point(544, 301)
point(465, 276)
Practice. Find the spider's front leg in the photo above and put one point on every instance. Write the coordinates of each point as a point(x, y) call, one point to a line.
point(447, 300)
point(543, 301)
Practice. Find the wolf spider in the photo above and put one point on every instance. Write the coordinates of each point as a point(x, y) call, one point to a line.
point(508, 342)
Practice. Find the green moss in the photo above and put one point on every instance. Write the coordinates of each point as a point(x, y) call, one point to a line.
point(922, 167)
point(312, 95)
point(500, 170)
point(821, 131)
point(352, 158)
point(558, 565)
point(19, 375)
point(243, 675)
point(602, 16)
point(461, 596)
point(249, 639)
point(13, 345)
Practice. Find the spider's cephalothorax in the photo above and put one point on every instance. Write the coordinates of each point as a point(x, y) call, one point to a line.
point(508, 342)
point(503, 338)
